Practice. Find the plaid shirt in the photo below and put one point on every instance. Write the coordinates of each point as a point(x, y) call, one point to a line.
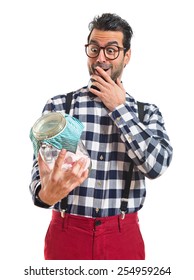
point(111, 139)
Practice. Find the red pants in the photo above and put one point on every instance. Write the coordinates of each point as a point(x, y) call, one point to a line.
point(80, 238)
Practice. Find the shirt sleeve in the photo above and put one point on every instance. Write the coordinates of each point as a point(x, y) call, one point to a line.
point(147, 143)
point(35, 184)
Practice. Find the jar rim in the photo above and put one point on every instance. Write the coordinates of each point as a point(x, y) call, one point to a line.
point(49, 125)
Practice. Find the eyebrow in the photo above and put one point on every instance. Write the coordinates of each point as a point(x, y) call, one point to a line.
point(108, 44)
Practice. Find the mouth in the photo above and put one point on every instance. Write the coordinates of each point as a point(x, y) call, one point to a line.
point(104, 66)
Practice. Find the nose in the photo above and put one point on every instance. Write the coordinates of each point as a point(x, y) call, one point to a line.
point(101, 57)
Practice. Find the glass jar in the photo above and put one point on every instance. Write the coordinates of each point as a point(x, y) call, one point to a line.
point(55, 131)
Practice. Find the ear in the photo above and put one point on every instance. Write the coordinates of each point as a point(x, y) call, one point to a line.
point(127, 57)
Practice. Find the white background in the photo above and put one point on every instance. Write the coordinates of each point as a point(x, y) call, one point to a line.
point(42, 55)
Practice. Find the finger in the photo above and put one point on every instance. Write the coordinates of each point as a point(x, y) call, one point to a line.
point(104, 75)
point(85, 174)
point(83, 177)
point(43, 167)
point(79, 180)
point(79, 167)
point(98, 81)
point(96, 91)
point(59, 161)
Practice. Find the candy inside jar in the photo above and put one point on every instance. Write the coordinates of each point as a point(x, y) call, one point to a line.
point(49, 154)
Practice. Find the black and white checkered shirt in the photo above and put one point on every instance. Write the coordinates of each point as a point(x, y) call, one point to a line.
point(111, 138)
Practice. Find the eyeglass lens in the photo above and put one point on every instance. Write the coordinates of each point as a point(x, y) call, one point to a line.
point(110, 52)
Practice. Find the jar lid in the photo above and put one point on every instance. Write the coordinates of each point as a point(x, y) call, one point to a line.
point(49, 125)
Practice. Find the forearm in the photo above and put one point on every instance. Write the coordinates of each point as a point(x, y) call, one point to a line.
point(146, 143)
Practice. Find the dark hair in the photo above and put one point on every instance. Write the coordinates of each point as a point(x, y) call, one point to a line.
point(112, 22)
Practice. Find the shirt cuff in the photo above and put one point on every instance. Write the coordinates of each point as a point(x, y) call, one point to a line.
point(37, 201)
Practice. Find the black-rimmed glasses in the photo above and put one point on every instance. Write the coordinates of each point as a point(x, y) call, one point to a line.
point(110, 52)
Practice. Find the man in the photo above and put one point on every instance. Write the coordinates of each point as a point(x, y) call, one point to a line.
point(100, 221)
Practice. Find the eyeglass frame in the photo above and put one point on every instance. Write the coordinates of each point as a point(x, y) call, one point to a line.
point(103, 48)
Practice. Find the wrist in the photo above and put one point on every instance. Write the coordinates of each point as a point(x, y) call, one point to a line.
point(39, 201)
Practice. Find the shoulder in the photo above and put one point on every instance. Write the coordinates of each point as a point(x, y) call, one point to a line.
point(134, 102)
point(147, 109)
point(58, 102)
point(74, 94)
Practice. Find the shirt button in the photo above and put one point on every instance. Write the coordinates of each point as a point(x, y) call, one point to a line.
point(101, 157)
point(97, 210)
point(118, 119)
point(99, 183)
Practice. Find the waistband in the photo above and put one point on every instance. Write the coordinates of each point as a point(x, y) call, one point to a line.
point(88, 223)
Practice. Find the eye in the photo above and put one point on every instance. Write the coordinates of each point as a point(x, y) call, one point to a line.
point(94, 49)
point(111, 50)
